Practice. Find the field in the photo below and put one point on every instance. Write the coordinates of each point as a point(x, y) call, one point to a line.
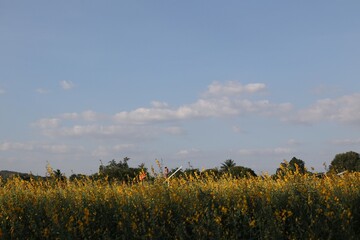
point(195, 207)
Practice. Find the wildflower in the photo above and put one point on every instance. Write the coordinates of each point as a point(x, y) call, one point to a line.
point(86, 216)
point(252, 223)
point(46, 232)
point(142, 175)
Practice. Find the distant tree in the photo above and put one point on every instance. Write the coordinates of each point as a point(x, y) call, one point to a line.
point(119, 170)
point(227, 165)
point(58, 175)
point(349, 161)
point(295, 165)
point(77, 177)
point(241, 172)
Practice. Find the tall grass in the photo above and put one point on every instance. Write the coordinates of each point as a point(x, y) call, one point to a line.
point(196, 207)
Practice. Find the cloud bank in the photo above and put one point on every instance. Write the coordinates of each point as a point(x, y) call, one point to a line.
point(345, 110)
point(220, 100)
point(229, 99)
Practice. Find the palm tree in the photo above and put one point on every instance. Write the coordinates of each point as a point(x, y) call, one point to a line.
point(58, 174)
point(227, 165)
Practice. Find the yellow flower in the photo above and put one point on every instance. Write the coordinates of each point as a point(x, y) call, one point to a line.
point(46, 232)
point(223, 209)
point(217, 219)
point(86, 216)
point(252, 223)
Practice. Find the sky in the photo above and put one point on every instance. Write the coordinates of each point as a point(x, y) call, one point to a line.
point(190, 83)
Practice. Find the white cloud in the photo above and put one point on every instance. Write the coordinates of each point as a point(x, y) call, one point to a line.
point(66, 85)
point(157, 104)
point(88, 116)
point(143, 115)
point(2, 91)
point(174, 130)
point(323, 89)
point(233, 88)
point(47, 123)
point(9, 146)
point(122, 147)
point(293, 142)
point(215, 107)
point(36, 146)
point(346, 142)
point(104, 131)
point(137, 123)
point(186, 152)
point(101, 152)
point(70, 116)
point(42, 91)
point(345, 109)
point(82, 130)
point(266, 151)
point(59, 148)
point(215, 103)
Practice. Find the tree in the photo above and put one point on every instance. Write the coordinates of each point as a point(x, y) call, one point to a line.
point(227, 165)
point(349, 161)
point(295, 165)
point(57, 174)
point(241, 172)
point(120, 170)
point(74, 177)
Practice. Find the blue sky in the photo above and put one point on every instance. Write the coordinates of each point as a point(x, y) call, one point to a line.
point(181, 81)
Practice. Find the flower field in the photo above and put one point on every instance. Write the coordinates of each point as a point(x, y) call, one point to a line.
point(292, 207)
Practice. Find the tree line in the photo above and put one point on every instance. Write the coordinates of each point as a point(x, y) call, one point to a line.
point(121, 171)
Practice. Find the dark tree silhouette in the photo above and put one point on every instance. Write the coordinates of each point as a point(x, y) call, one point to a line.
point(295, 165)
point(241, 172)
point(349, 161)
point(227, 165)
point(120, 170)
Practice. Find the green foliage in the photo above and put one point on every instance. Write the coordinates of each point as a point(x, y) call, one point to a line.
point(241, 172)
point(227, 165)
point(298, 165)
point(58, 175)
point(295, 165)
point(349, 161)
point(74, 177)
point(119, 171)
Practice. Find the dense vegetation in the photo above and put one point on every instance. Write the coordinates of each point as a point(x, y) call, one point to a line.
point(295, 206)
point(232, 202)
